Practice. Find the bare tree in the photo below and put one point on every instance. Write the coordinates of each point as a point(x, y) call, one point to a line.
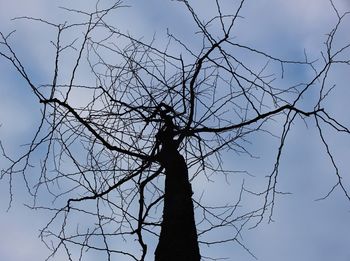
point(122, 149)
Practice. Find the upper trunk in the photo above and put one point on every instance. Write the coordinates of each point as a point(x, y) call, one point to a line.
point(178, 237)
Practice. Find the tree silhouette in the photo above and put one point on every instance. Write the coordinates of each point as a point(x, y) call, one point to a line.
point(120, 149)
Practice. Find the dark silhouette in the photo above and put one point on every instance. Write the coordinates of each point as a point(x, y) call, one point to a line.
point(121, 150)
point(178, 236)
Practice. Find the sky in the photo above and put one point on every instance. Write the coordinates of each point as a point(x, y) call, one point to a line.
point(304, 229)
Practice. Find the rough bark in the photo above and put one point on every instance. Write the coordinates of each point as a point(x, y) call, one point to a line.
point(178, 237)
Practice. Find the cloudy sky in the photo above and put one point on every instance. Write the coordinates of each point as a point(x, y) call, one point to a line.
point(303, 230)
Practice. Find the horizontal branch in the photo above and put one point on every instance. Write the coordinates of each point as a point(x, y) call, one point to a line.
point(254, 120)
point(94, 132)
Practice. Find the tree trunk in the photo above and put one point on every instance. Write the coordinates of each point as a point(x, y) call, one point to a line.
point(178, 236)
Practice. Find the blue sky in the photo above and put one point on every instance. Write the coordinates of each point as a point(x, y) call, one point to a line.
point(303, 230)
